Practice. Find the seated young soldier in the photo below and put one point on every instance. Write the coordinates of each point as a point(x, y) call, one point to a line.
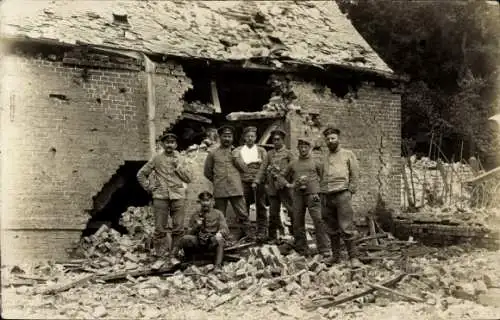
point(207, 231)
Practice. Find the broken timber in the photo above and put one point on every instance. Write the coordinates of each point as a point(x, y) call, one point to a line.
point(330, 304)
point(237, 116)
point(215, 96)
point(383, 288)
point(155, 269)
point(483, 177)
point(69, 285)
point(196, 117)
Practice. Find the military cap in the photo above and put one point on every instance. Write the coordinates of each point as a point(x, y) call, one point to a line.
point(304, 140)
point(330, 130)
point(225, 128)
point(249, 129)
point(205, 195)
point(168, 135)
point(278, 132)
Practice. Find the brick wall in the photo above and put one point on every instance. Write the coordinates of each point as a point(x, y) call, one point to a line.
point(170, 83)
point(59, 153)
point(371, 127)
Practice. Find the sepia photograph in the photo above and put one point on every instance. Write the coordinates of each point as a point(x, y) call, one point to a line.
point(316, 160)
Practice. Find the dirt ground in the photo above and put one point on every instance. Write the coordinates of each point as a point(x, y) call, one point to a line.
point(463, 284)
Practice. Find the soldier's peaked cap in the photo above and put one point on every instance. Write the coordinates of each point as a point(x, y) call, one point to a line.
point(304, 140)
point(278, 132)
point(168, 135)
point(205, 195)
point(330, 130)
point(249, 129)
point(225, 128)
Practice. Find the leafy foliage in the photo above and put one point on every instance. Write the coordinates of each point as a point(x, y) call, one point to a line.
point(450, 50)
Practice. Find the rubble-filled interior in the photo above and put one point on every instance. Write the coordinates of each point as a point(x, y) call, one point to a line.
point(119, 193)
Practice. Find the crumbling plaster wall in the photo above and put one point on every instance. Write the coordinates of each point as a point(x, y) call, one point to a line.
point(58, 154)
point(170, 85)
point(370, 124)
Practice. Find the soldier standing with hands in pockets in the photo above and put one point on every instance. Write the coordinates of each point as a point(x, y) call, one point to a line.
point(166, 178)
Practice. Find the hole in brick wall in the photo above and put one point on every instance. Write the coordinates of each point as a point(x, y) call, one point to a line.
point(58, 96)
point(52, 150)
point(120, 192)
point(123, 90)
point(238, 91)
point(344, 88)
point(98, 100)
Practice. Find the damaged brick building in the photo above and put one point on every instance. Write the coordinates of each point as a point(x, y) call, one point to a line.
point(86, 92)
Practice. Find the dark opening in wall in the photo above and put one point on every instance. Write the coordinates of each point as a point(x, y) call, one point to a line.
point(246, 91)
point(120, 192)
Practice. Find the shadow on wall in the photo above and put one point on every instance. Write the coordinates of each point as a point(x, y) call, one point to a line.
point(120, 192)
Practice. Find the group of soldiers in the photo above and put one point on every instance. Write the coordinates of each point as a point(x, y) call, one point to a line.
point(250, 174)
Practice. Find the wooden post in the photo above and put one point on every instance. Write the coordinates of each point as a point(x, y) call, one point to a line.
point(150, 71)
point(215, 96)
point(425, 170)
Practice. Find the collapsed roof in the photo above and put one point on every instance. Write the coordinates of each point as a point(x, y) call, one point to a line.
point(299, 32)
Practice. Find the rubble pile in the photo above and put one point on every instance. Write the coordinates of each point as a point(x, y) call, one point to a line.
point(282, 95)
point(436, 280)
point(199, 107)
point(423, 175)
point(107, 248)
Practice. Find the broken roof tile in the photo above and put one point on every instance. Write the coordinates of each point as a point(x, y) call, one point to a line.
point(311, 32)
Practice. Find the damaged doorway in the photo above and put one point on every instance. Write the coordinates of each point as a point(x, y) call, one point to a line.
point(119, 193)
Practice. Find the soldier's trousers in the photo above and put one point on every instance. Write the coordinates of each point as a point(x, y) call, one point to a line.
point(282, 196)
point(302, 202)
point(192, 244)
point(162, 209)
point(239, 208)
point(260, 205)
point(337, 214)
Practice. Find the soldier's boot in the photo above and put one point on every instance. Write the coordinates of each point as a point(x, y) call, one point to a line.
point(246, 233)
point(158, 244)
point(167, 245)
point(335, 245)
point(353, 253)
point(176, 237)
point(261, 237)
point(219, 255)
point(273, 234)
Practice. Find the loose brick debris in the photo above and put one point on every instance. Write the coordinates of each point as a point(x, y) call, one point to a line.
point(264, 277)
point(398, 271)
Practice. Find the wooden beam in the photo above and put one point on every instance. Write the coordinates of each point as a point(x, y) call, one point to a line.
point(215, 96)
point(151, 100)
point(484, 176)
point(195, 117)
point(238, 116)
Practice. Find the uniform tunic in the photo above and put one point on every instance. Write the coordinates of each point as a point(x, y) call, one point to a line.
point(279, 159)
point(163, 178)
point(221, 170)
point(340, 171)
point(304, 199)
point(340, 175)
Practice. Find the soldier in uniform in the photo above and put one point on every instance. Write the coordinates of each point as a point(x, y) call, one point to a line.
point(305, 174)
point(275, 185)
point(339, 181)
point(220, 168)
point(166, 177)
point(207, 231)
point(250, 159)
